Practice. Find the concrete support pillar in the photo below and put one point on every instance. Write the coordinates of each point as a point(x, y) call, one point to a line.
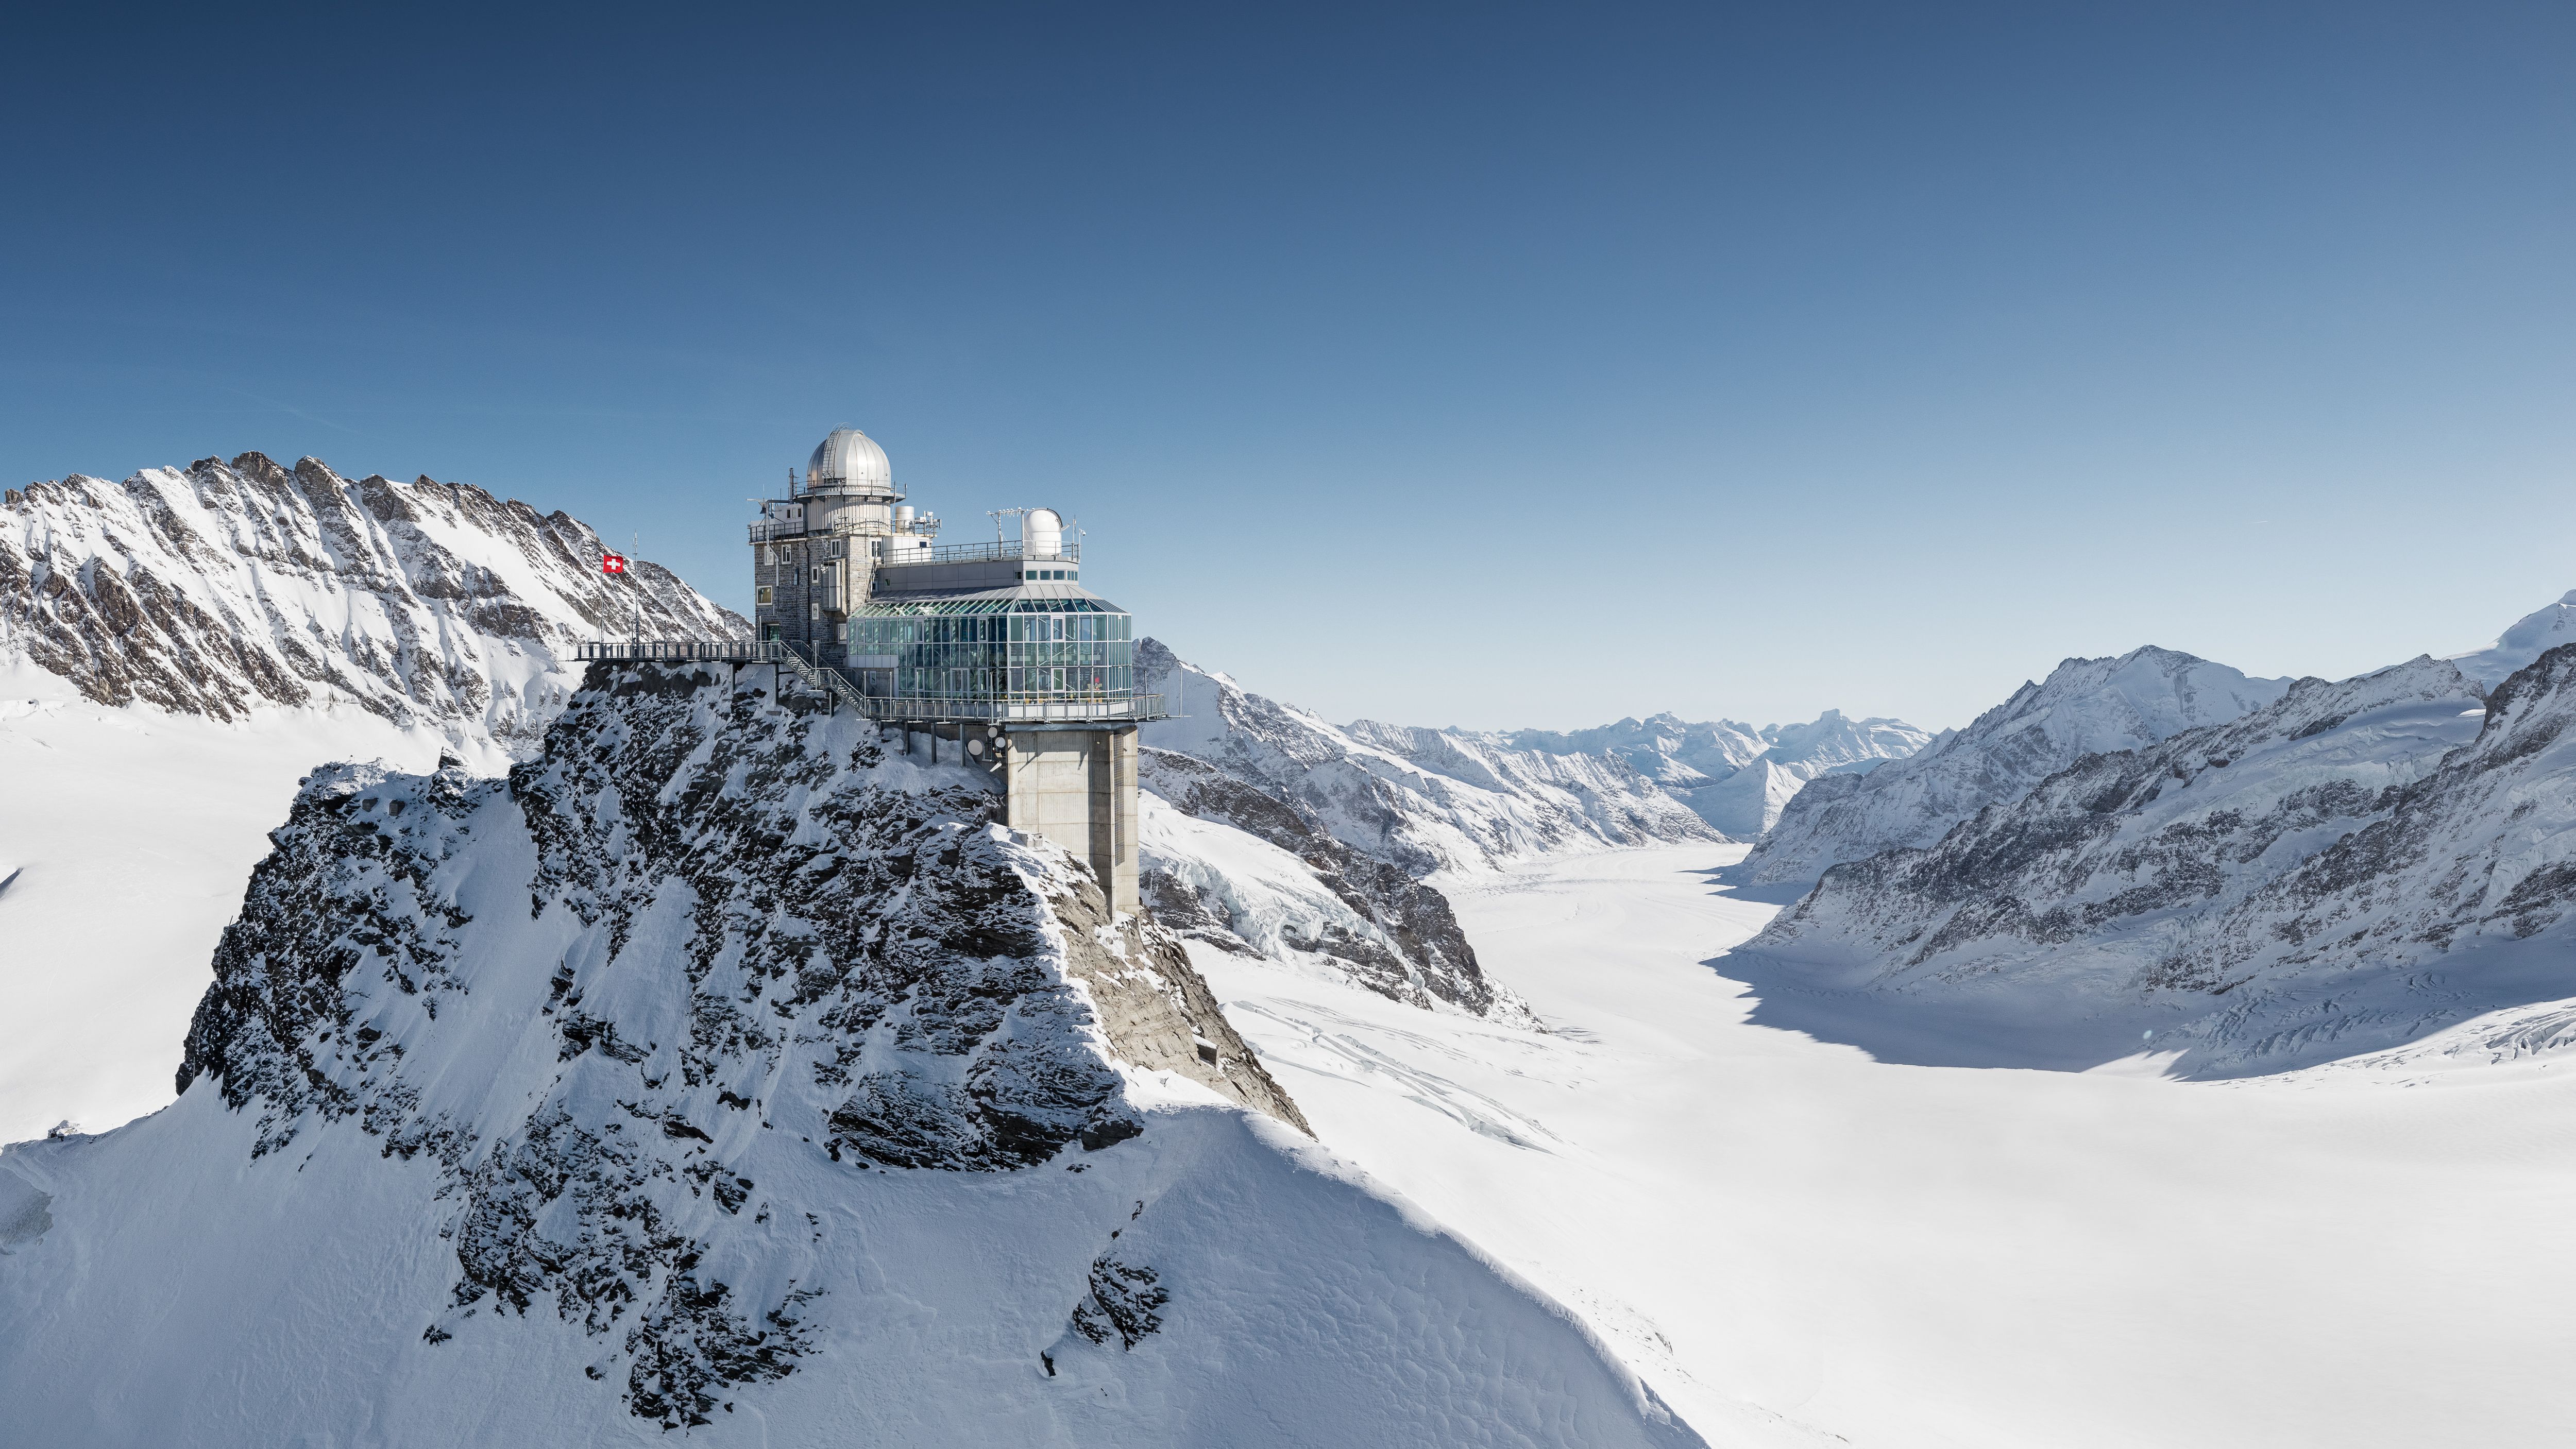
point(1078, 789)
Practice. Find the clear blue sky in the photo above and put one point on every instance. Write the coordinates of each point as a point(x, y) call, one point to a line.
point(1473, 365)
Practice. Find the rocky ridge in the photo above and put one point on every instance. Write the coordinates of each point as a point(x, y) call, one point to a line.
point(1309, 843)
point(755, 916)
point(723, 1070)
point(2084, 707)
point(1320, 900)
point(226, 588)
point(2355, 866)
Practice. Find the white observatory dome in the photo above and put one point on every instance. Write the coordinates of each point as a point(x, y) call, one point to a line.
point(850, 460)
point(1042, 536)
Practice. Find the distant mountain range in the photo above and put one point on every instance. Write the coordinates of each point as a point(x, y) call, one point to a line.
point(2156, 856)
point(1736, 777)
point(1310, 842)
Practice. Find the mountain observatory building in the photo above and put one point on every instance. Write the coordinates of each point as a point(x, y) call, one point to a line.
point(995, 646)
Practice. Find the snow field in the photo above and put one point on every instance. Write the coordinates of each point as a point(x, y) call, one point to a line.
point(187, 1294)
point(1798, 1245)
point(132, 833)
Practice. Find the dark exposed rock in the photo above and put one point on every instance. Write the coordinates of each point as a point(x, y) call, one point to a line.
point(1122, 1302)
point(735, 903)
point(1419, 951)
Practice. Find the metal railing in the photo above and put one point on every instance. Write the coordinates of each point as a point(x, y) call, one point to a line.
point(834, 685)
point(982, 709)
point(770, 531)
point(672, 651)
point(1065, 553)
point(829, 683)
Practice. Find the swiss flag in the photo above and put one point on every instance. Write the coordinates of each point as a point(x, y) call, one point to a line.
point(614, 563)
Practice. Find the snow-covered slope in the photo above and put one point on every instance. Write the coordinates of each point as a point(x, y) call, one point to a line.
point(1736, 777)
point(1428, 800)
point(1271, 833)
point(227, 588)
point(2348, 869)
point(176, 651)
point(2085, 706)
point(2531, 636)
point(721, 1071)
point(1249, 873)
point(1804, 1248)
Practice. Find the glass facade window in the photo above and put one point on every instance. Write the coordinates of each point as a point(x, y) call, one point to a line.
point(998, 651)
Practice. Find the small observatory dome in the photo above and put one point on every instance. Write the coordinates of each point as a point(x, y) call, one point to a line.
point(1043, 535)
point(850, 461)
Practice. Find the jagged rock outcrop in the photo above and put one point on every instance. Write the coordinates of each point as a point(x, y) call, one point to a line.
point(1736, 777)
point(746, 906)
point(2084, 707)
point(2354, 866)
point(725, 1070)
point(230, 587)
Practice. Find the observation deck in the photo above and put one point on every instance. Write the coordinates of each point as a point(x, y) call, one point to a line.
point(1017, 710)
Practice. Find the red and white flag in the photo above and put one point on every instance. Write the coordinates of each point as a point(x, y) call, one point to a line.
point(614, 563)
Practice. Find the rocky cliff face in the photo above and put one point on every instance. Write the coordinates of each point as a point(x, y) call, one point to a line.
point(750, 912)
point(722, 1070)
point(1308, 898)
point(2084, 707)
point(227, 588)
point(1307, 843)
point(2347, 869)
point(1737, 778)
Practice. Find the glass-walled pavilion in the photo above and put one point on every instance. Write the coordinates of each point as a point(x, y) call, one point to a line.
point(1008, 657)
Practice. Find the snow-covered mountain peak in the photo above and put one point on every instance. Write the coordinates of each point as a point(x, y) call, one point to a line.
point(1734, 776)
point(2083, 707)
point(227, 588)
point(2259, 894)
point(2530, 637)
point(724, 1070)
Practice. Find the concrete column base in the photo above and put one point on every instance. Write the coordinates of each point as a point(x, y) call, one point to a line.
point(1078, 789)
